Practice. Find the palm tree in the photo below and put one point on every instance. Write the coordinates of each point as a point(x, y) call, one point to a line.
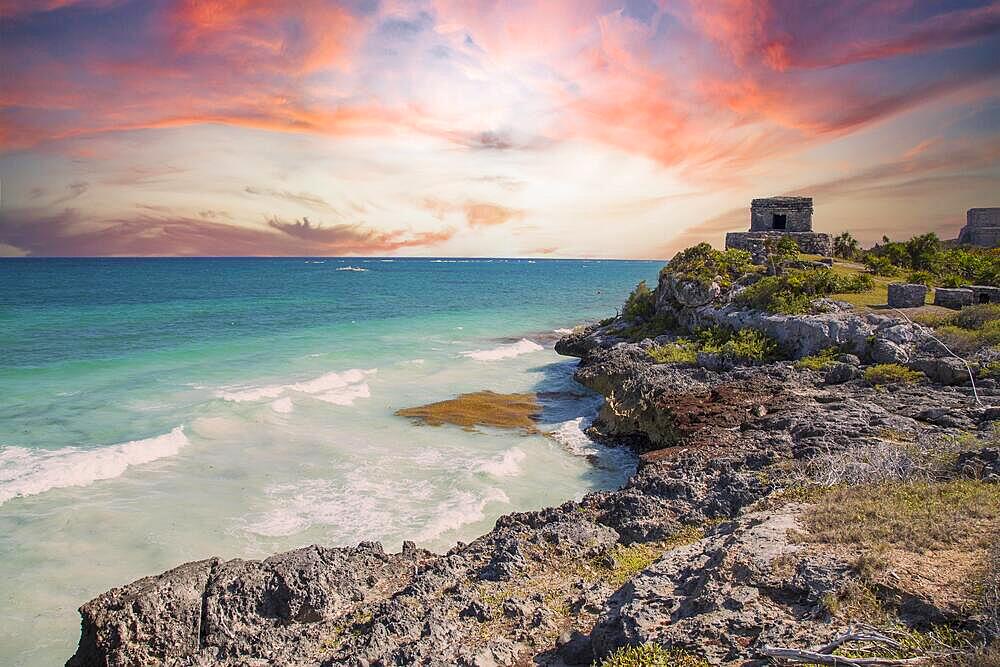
point(845, 246)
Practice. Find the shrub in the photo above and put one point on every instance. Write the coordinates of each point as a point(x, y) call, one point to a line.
point(658, 325)
point(704, 263)
point(920, 278)
point(880, 265)
point(640, 303)
point(817, 362)
point(651, 655)
point(791, 293)
point(882, 374)
point(743, 345)
point(978, 316)
point(681, 351)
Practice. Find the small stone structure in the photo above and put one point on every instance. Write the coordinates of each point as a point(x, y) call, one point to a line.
point(952, 297)
point(777, 217)
point(984, 294)
point(982, 227)
point(906, 295)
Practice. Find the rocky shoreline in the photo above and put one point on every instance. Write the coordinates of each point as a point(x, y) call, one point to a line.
point(705, 550)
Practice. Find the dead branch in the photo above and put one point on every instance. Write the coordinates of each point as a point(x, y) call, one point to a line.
point(803, 656)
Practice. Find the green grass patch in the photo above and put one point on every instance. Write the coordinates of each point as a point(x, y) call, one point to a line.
point(652, 655)
point(883, 374)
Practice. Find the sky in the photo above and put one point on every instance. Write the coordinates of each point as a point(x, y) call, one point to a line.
point(584, 128)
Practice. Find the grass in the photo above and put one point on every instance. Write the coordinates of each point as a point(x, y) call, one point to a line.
point(817, 362)
point(910, 515)
point(883, 374)
point(481, 408)
point(652, 655)
point(626, 562)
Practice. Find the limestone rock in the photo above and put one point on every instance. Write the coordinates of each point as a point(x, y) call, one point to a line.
point(718, 595)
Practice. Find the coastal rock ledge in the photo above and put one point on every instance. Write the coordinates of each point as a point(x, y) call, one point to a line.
point(725, 542)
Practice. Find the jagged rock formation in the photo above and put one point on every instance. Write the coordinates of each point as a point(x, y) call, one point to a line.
point(550, 586)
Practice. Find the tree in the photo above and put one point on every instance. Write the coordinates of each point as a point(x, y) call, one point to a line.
point(924, 251)
point(845, 246)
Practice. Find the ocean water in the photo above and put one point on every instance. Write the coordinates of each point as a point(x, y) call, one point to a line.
point(154, 411)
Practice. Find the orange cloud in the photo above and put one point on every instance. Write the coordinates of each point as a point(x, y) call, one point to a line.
point(67, 234)
point(489, 215)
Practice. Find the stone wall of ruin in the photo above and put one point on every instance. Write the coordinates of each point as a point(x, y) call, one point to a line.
point(809, 242)
point(798, 212)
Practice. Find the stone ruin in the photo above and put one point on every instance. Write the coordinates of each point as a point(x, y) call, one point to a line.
point(907, 295)
point(982, 227)
point(775, 217)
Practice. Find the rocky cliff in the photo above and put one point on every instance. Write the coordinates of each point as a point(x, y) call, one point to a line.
point(719, 548)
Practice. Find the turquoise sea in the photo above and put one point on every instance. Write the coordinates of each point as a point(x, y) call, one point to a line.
point(154, 411)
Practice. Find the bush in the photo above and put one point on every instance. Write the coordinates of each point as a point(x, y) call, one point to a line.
point(640, 303)
point(704, 263)
point(882, 374)
point(681, 351)
point(880, 266)
point(743, 345)
point(791, 293)
point(817, 362)
point(651, 655)
point(658, 325)
point(978, 316)
point(920, 278)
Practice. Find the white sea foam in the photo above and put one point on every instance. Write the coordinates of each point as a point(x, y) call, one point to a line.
point(339, 388)
point(464, 507)
point(507, 464)
point(366, 506)
point(563, 331)
point(508, 351)
point(351, 268)
point(570, 434)
point(28, 472)
point(283, 405)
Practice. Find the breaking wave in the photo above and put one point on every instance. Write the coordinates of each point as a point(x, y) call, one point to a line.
point(341, 388)
point(508, 351)
point(28, 472)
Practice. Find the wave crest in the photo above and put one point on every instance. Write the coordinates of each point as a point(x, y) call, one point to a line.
point(28, 472)
point(507, 351)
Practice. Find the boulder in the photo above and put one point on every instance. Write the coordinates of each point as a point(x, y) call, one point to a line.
point(943, 370)
point(885, 351)
point(714, 597)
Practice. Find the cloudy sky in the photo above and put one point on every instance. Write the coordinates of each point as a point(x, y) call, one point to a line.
point(625, 128)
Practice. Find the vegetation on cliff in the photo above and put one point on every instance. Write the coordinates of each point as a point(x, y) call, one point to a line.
point(925, 259)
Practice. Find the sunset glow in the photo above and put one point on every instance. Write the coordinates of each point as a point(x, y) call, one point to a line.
point(444, 127)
